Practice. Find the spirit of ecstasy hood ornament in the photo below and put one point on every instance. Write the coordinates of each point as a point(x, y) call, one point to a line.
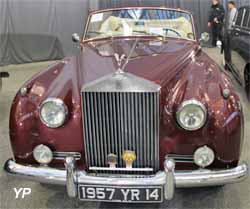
point(120, 58)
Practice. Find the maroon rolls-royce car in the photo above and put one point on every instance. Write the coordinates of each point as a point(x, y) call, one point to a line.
point(140, 111)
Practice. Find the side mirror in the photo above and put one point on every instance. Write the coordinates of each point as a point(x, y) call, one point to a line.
point(205, 37)
point(75, 38)
point(4, 75)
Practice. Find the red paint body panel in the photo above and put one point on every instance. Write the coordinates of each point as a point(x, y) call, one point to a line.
point(181, 69)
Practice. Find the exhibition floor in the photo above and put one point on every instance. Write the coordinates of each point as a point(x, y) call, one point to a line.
point(229, 196)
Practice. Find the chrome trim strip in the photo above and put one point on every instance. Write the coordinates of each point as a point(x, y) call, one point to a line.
point(63, 155)
point(196, 178)
point(243, 17)
point(181, 158)
point(119, 169)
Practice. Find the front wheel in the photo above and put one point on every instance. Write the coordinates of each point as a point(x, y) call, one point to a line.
point(248, 91)
point(247, 81)
point(225, 64)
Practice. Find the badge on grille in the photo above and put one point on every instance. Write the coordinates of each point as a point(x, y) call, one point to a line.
point(112, 160)
point(129, 157)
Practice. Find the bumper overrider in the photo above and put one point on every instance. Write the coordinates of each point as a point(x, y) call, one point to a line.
point(169, 178)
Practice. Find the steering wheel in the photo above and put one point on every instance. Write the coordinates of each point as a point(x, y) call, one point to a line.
point(172, 30)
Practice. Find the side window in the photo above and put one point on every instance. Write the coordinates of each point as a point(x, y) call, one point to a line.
point(246, 19)
point(239, 17)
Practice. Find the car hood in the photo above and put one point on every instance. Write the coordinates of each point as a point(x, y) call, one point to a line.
point(153, 60)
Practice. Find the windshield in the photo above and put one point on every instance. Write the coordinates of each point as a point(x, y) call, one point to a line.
point(140, 22)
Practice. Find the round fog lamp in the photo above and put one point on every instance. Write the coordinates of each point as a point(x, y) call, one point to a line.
point(204, 156)
point(42, 154)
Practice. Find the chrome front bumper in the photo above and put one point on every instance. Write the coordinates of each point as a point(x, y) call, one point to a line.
point(168, 178)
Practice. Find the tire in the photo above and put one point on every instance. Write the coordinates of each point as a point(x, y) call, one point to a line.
point(226, 67)
point(225, 64)
point(248, 91)
point(247, 82)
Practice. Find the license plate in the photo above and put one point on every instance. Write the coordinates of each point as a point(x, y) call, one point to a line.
point(135, 194)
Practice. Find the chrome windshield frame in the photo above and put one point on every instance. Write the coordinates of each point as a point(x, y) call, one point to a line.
point(127, 8)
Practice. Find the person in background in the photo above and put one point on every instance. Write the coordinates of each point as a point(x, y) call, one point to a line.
point(232, 11)
point(215, 21)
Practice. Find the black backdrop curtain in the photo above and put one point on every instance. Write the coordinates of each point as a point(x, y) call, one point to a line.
point(37, 30)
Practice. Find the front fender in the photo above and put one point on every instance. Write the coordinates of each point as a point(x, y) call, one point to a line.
point(26, 128)
point(223, 132)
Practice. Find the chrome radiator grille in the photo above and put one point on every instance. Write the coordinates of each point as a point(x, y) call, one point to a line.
point(119, 121)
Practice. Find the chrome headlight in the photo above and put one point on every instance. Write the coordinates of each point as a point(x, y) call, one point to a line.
point(204, 156)
point(53, 112)
point(42, 154)
point(191, 115)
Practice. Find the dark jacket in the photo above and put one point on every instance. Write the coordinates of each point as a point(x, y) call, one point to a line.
point(217, 11)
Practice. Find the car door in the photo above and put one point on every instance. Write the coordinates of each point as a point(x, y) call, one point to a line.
point(240, 43)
